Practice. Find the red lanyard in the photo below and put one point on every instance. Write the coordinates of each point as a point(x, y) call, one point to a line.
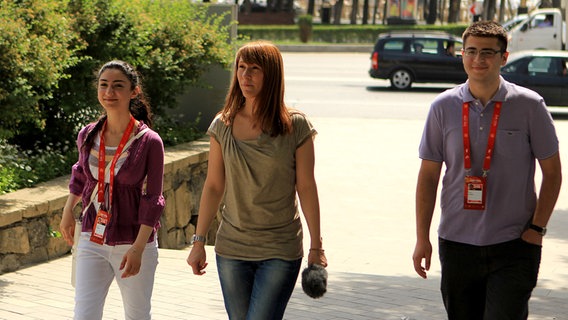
point(123, 141)
point(490, 142)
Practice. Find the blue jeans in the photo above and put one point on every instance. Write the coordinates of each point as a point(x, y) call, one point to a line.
point(488, 282)
point(257, 290)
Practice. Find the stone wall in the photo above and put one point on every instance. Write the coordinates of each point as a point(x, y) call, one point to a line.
point(29, 218)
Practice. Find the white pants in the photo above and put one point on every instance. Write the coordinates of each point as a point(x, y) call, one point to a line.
point(97, 265)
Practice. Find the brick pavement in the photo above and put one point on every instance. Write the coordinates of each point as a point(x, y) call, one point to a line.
point(366, 188)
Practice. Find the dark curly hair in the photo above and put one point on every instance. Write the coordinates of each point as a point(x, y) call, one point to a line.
point(139, 106)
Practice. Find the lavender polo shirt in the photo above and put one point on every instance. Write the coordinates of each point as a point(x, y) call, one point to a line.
point(131, 205)
point(525, 132)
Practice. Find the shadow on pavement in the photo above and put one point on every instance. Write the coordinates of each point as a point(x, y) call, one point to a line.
point(413, 89)
point(367, 296)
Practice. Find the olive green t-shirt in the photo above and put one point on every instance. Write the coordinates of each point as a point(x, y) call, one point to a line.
point(260, 218)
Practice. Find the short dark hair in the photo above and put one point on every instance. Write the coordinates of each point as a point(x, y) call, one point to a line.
point(487, 29)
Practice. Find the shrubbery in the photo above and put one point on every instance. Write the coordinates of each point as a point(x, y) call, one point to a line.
point(321, 33)
point(50, 51)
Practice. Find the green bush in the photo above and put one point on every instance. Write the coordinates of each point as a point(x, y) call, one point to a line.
point(305, 25)
point(50, 51)
point(9, 164)
point(171, 43)
point(25, 168)
point(353, 34)
point(37, 46)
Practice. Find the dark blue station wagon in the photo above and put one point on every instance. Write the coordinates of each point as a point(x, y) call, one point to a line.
point(407, 57)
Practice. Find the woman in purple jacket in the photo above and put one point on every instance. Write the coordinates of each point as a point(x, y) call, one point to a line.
point(122, 209)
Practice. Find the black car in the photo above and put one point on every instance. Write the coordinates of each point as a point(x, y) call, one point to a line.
point(407, 57)
point(543, 71)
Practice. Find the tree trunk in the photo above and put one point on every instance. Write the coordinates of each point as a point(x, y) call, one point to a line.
point(441, 10)
point(375, 11)
point(337, 12)
point(311, 7)
point(454, 12)
point(385, 12)
point(365, 19)
point(432, 12)
point(488, 9)
point(501, 12)
point(354, 9)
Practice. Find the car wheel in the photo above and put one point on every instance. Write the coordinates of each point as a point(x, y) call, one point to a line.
point(401, 79)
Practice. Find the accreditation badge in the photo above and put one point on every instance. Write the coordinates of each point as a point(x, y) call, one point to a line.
point(99, 228)
point(474, 193)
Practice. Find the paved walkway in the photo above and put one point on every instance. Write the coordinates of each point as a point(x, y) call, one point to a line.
point(366, 190)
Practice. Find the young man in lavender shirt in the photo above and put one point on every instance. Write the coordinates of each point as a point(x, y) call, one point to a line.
point(488, 133)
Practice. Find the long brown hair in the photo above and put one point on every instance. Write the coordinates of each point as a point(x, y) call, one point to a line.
point(270, 112)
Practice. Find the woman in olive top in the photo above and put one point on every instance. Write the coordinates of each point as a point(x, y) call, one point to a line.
point(261, 155)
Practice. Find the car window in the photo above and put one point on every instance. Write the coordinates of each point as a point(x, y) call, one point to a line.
point(540, 65)
point(541, 20)
point(450, 48)
point(556, 67)
point(425, 46)
point(514, 22)
point(394, 45)
point(517, 67)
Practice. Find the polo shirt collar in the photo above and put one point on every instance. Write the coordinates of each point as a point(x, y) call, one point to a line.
point(500, 95)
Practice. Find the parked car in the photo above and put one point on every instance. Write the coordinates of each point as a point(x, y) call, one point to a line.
point(410, 56)
point(544, 71)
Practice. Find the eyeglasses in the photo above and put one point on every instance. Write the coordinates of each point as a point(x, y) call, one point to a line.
point(483, 53)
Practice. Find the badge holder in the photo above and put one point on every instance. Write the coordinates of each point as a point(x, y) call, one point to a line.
point(99, 227)
point(474, 193)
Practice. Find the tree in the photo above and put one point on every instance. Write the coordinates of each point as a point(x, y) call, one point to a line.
point(337, 12)
point(454, 12)
point(375, 11)
point(365, 19)
point(50, 49)
point(354, 11)
point(37, 46)
point(489, 9)
point(311, 7)
point(432, 12)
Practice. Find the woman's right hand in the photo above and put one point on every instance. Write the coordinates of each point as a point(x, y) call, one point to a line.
point(197, 258)
point(67, 226)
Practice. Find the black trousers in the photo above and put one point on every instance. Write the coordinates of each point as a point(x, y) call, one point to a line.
point(488, 282)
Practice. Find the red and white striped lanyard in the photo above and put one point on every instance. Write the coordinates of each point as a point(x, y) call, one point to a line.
point(123, 141)
point(490, 142)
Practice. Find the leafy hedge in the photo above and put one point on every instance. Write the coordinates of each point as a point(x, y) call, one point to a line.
point(37, 46)
point(50, 51)
point(364, 34)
